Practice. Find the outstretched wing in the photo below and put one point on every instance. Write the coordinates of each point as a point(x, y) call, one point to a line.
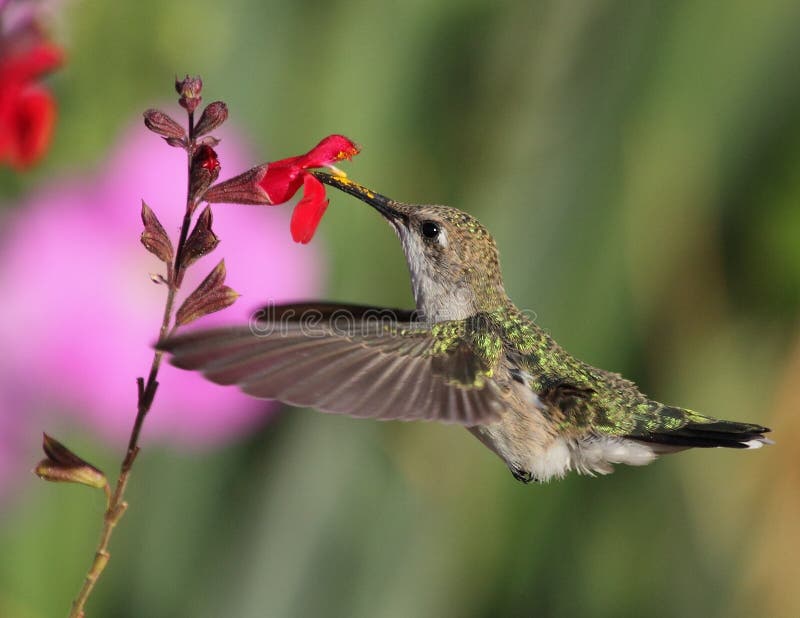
point(352, 360)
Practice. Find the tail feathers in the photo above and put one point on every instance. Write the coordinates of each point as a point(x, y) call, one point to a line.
point(711, 433)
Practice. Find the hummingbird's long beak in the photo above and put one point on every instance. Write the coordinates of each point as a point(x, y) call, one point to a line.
point(387, 207)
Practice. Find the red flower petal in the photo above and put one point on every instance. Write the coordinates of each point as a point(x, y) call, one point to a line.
point(281, 181)
point(309, 210)
point(330, 150)
point(31, 127)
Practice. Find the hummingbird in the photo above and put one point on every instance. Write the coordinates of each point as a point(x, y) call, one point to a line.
point(467, 355)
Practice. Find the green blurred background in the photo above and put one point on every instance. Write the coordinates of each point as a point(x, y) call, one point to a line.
point(639, 165)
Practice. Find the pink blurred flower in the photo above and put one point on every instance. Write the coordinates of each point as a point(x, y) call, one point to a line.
point(80, 312)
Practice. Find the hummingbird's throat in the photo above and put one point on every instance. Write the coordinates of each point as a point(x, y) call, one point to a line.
point(442, 293)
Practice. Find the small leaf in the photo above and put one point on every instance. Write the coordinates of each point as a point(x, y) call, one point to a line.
point(201, 241)
point(209, 297)
point(177, 142)
point(64, 466)
point(154, 238)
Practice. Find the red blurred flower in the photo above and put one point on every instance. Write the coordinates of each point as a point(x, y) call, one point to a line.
point(277, 182)
point(27, 111)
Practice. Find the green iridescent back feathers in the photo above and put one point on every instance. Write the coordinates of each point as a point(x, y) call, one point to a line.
point(579, 396)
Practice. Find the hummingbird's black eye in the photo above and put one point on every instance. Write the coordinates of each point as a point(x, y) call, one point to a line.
point(429, 229)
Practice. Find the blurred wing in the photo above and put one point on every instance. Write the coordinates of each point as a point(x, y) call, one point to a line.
point(327, 311)
point(361, 364)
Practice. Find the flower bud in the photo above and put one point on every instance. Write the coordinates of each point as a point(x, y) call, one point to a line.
point(213, 116)
point(205, 169)
point(189, 90)
point(164, 125)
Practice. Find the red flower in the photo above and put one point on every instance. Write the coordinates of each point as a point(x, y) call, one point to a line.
point(284, 177)
point(27, 111)
point(277, 182)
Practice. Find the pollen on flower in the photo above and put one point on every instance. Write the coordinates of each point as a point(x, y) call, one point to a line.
point(348, 153)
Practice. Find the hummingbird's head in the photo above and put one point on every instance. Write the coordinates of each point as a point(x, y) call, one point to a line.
point(452, 258)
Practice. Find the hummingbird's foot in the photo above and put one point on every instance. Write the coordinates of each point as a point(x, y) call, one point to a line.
point(521, 475)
